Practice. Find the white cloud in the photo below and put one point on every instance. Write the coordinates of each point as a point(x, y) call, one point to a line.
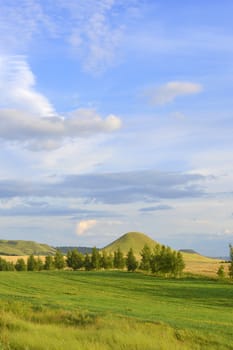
point(17, 88)
point(84, 226)
point(170, 91)
point(49, 133)
point(29, 117)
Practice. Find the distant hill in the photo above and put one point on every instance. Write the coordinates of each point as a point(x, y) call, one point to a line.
point(82, 250)
point(19, 247)
point(189, 251)
point(134, 240)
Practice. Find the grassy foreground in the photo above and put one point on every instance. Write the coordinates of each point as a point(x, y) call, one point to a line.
point(113, 310)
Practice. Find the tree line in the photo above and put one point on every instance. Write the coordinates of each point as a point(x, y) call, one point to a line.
point(160, 261)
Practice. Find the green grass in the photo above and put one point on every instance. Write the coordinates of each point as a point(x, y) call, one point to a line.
point(20, 247)
point(113, 310)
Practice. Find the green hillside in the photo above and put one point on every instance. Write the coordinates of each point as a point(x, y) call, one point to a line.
point(19, 247)
point(134, 240)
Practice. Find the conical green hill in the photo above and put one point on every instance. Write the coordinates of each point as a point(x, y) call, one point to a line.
point(134, 240)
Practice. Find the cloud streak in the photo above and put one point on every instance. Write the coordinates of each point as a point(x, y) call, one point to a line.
point(113, 188)
point(170, 91)
point(155, 208)
point(92, 30)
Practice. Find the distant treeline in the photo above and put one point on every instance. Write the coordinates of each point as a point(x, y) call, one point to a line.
point(161, 261)
point(82, 250)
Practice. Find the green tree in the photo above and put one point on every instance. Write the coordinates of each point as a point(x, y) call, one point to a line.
point(31, 263)
point(49, 263)
point(118, 260)
point(131, 262)
point(221, 272)
point(39, 264)
point(231, 261)
point(155, 259)
point(59, 261)
point(95, 259)
point(110, 261)
point(20, 265)
point(74, 259)
point(104, 260)
point(179, 264)
point(6, 265)
point(145, 258)
point(87, 262)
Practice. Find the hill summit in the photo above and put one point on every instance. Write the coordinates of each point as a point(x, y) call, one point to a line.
point(134, 240)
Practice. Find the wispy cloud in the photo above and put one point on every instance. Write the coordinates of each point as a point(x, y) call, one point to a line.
point(94, 39)
point(92, 30)
point(170, 91)
point(20, 22)
point(155, 208)
point(115, 188)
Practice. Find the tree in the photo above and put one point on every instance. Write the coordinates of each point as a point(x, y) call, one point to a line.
point(95, 259)
point(179, 264)
point(87, 262)
point(59, 261)
point(155, 259)
point(104, 263)
point(106, 260)
point(20, 265)
point(110, 261)
point(231, 261)
point(131, 261)
point(165, 261)
point(118, 260)
point(6, 265)
point(221, 272)
point(31, 263)
point(39, 264)
point(145, 258)
point(49, 263)
point(74, 259)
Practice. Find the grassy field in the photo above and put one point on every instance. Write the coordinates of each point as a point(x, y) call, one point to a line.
point(113, 310)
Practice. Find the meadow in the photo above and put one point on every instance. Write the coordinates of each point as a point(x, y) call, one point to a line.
point(113, 310)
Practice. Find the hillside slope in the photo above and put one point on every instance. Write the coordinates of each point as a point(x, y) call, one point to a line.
point(134, 240)
point(20, 247)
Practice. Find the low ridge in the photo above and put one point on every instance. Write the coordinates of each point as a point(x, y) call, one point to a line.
point(20, 247)
point(134, 240)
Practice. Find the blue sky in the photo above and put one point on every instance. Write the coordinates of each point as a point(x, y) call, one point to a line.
point(116, 116)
